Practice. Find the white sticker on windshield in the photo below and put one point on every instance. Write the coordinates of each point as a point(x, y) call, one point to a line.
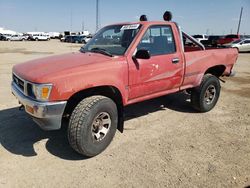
point(133, 26)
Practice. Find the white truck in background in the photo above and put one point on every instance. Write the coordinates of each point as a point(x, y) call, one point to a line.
point(38, 36)
point(199, 38)
point(54, 35)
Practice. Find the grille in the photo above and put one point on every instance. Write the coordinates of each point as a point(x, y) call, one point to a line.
point(18, 82)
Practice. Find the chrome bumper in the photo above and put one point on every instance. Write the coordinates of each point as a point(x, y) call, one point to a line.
point(48, 115)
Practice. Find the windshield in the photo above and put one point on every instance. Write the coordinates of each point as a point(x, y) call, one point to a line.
point(112, 40)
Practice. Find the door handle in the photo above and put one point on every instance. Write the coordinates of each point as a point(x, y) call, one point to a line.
point(175, 60)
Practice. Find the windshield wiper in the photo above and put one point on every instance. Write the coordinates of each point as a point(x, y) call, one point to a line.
point(101, 51)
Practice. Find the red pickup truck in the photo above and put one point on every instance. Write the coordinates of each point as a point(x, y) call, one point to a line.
point(122, 64)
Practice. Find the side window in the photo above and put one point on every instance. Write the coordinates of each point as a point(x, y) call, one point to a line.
point(158, 40)
point(247, 42)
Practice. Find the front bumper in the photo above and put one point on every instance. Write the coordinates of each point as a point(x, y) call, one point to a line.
point(48, 115)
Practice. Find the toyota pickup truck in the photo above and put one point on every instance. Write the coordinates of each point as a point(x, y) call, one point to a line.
point(122, 64)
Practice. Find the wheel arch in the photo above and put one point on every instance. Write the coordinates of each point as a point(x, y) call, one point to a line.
point(217, 70)
point(107, 91)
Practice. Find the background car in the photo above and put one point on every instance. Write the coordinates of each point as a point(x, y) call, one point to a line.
point(211, 41)
point(78, 39)
point(200, 37)
point(228, 39)
point(62, 38)
point(86, 39)
point(6, 36)
point(2, 37)
point(17, 38)
point(69, 38)
point(243, 45)
point(38, 36)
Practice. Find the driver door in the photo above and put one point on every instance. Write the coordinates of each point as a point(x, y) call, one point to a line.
point(162, 71)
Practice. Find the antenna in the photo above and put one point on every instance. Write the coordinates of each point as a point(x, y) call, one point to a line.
point(97, 15)
point(238, 30)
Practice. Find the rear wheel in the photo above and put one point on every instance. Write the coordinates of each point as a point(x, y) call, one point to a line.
point(92, 125)
point(205, 96)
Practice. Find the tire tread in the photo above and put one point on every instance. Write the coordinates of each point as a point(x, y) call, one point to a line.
point(78, 118)
point(195, 95)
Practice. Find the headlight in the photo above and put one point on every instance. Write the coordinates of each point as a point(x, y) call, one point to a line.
point(41, 91)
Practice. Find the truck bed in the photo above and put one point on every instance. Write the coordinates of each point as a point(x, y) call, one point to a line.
point(198, 61)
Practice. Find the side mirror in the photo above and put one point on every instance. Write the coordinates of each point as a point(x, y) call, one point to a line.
point(142, 54)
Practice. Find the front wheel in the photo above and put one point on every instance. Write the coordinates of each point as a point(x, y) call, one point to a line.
point(92, 125)
point(205, 96)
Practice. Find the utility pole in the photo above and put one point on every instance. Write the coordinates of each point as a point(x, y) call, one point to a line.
point(238, 30)
point(97, 15)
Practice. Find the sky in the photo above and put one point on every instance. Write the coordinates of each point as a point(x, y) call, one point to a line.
point(194, 16)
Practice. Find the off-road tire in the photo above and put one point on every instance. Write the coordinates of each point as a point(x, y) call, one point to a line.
point(198, 94)
point(80, 130)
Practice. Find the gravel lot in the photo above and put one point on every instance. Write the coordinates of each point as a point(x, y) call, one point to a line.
point(165, 142)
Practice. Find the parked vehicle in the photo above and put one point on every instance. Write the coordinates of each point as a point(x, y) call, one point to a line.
point(69, 38)
point(86, 39)
point(62, 39)
point(228, 39)
point(243, 45)
point(47, 35)
point(26, 36)
point(2, 37)
point(200, 37)
point(88, 90)
point(38, 36)
point(7, 36)
point(212, 40)
point(75, 39)
point(78, 39)
point(54, 35)
point(17, 38)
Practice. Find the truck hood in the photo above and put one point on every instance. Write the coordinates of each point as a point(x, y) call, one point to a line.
point(40, 69)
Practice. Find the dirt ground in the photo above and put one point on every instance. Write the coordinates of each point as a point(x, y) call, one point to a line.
point(165, 142)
